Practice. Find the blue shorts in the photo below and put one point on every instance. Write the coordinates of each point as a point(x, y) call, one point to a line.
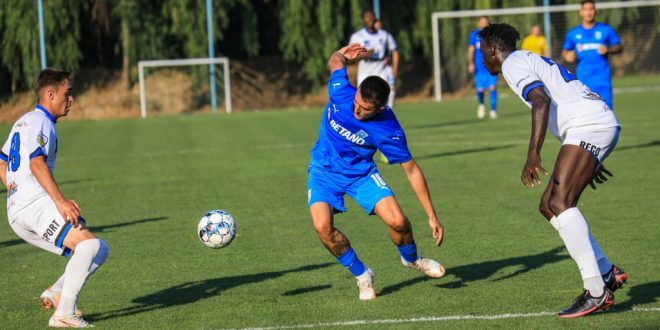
point(330, 187)
point(483, 80)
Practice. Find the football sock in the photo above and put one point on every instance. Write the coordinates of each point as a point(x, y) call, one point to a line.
point(390, 99)
point(574, 232)
point(57, 286)
point(604, 265)
point(493, 100)
point(350, 260)
point(480, 97)
point(408, 252)
point(96, 263)
point(75, 274)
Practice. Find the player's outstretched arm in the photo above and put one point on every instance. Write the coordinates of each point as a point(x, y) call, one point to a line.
point(68, 208)
point(417, 181)
point(540, 112)
point(347, 54)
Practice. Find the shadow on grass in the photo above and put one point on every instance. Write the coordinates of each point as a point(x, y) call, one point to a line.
point(191, 292)
point(309, 289)
point(93, 229)
point(655, 143)
point(641, 294)
point(465, 151)
point(483, 270)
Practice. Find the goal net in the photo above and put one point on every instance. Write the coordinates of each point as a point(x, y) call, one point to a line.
point(636, 22)
point(184, 85)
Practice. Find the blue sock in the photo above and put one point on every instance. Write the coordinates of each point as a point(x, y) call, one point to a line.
point(493, 100)
point(408, 252)
point(480, 97)
point(350, 260)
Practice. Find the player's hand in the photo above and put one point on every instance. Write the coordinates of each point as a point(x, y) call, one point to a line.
point(471, 68)
point(599, 176)
point(353, 51)
point(602, 49)
point(530, 176)
point(69, 210)
point(437, 230)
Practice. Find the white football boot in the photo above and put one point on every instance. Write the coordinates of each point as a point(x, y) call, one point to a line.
point(493, 114)
point(429, 267)
point(50, 299)
point(70, 321)
point(481, 111)
point(365, 284)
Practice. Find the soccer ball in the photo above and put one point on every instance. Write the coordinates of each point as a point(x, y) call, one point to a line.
point(216, 229)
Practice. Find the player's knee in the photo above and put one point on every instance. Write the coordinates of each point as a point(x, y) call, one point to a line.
point(323, 229)
point(400, 224)
point(558, 204)
point(544, 208)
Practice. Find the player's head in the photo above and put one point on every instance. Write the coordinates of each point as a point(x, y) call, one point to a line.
point(588, 11)
point(497, 41)
point(368, 19)
point(53, 88)
point(371, 97)
point(536, 30)
point(482, 22)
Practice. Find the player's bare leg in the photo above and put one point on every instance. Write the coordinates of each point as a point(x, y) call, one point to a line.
point(88, 254)
point(337, 243)
point(574, 169)
point(401, 233)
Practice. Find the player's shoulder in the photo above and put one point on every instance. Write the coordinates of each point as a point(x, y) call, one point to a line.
point(604, 27)
point(575, 30)
point(516, 58)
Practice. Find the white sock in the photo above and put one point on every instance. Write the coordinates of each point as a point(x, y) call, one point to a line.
point(96, 263)
point(574, 231)
point(76, 273)
point(390, 99)
point(604, 265)
point(57, 286)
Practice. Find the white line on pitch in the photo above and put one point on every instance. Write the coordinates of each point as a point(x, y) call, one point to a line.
point(426, 319)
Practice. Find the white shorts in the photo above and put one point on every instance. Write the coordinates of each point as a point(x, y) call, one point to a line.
point(388, 76)
point(599, 143)
point(42, 225)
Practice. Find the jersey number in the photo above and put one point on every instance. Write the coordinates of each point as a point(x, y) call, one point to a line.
point(567, 75)
point(14, 152)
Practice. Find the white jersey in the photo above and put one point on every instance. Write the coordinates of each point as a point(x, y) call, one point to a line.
point(382, 43)
point(34, 134)
point(574, 105)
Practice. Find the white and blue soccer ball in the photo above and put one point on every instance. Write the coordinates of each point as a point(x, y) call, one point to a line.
point(216, 229)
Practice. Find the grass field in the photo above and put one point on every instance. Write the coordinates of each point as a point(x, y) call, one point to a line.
point(144, 184)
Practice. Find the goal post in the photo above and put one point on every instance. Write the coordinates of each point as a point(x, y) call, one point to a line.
point(142, 65)
point(461, 30)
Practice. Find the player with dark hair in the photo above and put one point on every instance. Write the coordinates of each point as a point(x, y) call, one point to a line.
point(482, 78)
point(592, 42)
point(588, 130)
point(37, 210)
point(354, 124)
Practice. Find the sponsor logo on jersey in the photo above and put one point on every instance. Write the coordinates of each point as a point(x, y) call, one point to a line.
point(594, 150)
point(42, 139)
point(521, 80)
point(21, 124)
point(51, 230)
point(589, 46)
point(357, 138)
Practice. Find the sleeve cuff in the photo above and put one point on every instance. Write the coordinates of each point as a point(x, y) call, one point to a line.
point(529, 87)
point(38, 152)
point(4, 156)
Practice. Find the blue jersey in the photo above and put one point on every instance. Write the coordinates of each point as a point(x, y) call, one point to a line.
point(347, 145)
point(475, 41)
point(592, 68)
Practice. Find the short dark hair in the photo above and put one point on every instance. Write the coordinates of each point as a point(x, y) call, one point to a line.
point(51, 77)
point(584, 2)
point(375, 90)
point(501, 35)
point(367, 10)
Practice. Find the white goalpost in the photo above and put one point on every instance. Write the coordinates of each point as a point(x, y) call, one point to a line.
point(184, 62)
point(436, 18)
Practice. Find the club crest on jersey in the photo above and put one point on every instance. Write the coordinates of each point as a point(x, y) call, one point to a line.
point(598, 35)
point(42, 139)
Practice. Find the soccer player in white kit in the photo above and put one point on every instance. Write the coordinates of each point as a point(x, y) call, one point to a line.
point(37, 210)
point(588, 130)
point(380, 44)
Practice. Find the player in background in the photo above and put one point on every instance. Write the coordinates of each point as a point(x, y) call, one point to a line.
point(482, 78)
point(37, 210)
point(535, 42)
point(592, 42)
point(382, 53)
point(588, 130)
point(354, 124)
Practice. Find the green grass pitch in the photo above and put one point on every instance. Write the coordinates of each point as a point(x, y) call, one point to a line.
point(144, 184)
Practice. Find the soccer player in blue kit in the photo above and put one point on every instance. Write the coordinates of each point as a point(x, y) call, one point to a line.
point(593, 42)
point(482, 78)
point(354, 124)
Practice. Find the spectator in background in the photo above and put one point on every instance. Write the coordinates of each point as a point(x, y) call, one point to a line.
point(482, 78)
point(535, 42)
point(592, 42)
